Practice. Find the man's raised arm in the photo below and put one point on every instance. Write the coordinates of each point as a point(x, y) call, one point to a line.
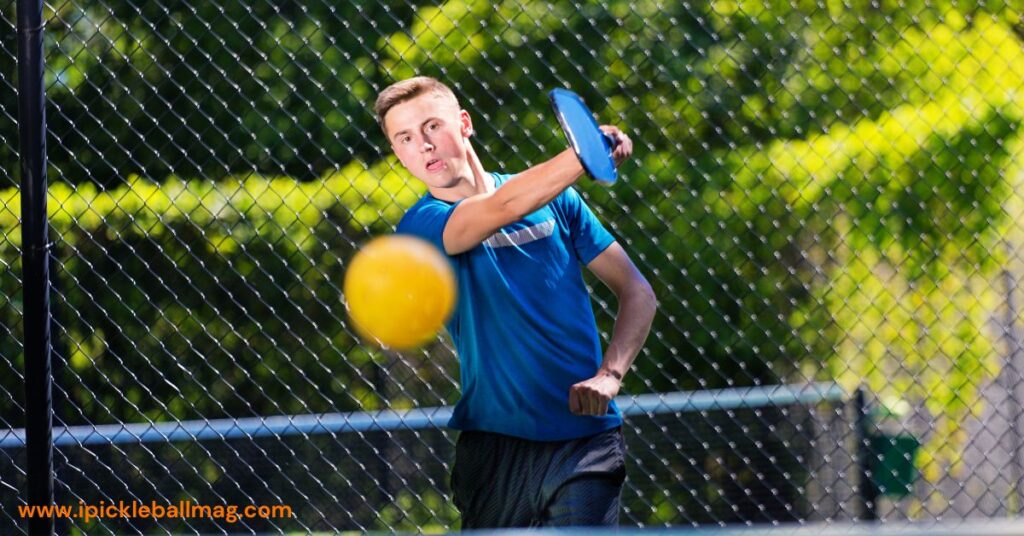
point(479, 216)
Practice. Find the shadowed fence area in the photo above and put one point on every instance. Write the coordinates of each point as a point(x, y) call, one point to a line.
point(747, 455)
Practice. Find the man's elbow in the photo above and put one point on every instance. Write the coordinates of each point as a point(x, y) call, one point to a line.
point(641, 291)
point(651, 298)
point(457, 243)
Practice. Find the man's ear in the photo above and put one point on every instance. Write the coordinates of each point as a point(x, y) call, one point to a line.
point(467, 123)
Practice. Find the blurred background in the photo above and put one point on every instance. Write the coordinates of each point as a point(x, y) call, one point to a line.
point(825, 196)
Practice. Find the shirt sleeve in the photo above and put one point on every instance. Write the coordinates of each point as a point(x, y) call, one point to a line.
point(427, 221)
point(589, 237)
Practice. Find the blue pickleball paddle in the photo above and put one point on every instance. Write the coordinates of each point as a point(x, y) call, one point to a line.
point(592, 146)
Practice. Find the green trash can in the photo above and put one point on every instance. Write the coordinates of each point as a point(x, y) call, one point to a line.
point(892, 449)
point(892, 463)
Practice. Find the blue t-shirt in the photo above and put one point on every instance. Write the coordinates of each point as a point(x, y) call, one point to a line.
point(523, 327)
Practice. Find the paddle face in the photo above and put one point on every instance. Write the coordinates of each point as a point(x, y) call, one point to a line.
point(593, 147)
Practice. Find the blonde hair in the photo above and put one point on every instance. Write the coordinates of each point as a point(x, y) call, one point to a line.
point(409, 89)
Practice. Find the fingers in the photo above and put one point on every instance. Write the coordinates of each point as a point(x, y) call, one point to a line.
point(590, 405)
point(624, 145)
point(586, 400)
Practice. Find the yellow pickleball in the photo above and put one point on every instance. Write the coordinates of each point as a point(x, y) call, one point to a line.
point(399, 290)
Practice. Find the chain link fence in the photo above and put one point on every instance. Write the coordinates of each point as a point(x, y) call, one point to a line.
point(820, 192)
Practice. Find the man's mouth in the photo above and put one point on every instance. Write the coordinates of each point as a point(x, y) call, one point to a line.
point(435, 165)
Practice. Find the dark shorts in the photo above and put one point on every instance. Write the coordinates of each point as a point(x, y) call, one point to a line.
point(504, 481)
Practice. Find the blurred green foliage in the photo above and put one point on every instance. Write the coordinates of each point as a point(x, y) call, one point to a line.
point(192, 299)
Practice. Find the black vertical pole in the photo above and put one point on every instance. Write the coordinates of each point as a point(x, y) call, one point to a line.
point(35, 261)
point(867, 492)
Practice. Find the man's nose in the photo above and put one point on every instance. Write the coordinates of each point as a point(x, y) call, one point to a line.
point(427, 146)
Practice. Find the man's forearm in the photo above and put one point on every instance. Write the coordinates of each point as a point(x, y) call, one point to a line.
point(632, 324)
point(537, 186)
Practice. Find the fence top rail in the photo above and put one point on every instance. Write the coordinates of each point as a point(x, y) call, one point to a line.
point(413, 419)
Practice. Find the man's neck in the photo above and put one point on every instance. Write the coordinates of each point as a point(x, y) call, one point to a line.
point(468, 186)
point(473, 180)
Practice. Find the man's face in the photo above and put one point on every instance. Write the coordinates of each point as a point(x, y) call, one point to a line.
point(428, 134)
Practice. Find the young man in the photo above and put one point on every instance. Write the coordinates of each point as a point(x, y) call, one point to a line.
point(541, 441)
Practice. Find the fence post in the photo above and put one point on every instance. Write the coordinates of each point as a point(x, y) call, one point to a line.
point(866, 490)
point(35, 262)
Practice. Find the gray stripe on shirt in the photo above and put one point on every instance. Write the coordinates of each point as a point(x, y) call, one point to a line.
point(501, 239)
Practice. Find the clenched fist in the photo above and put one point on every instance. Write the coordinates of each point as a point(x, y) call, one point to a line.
point(591, 397)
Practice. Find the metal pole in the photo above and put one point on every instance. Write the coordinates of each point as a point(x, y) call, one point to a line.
point(866, 491)
point(35, 262)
